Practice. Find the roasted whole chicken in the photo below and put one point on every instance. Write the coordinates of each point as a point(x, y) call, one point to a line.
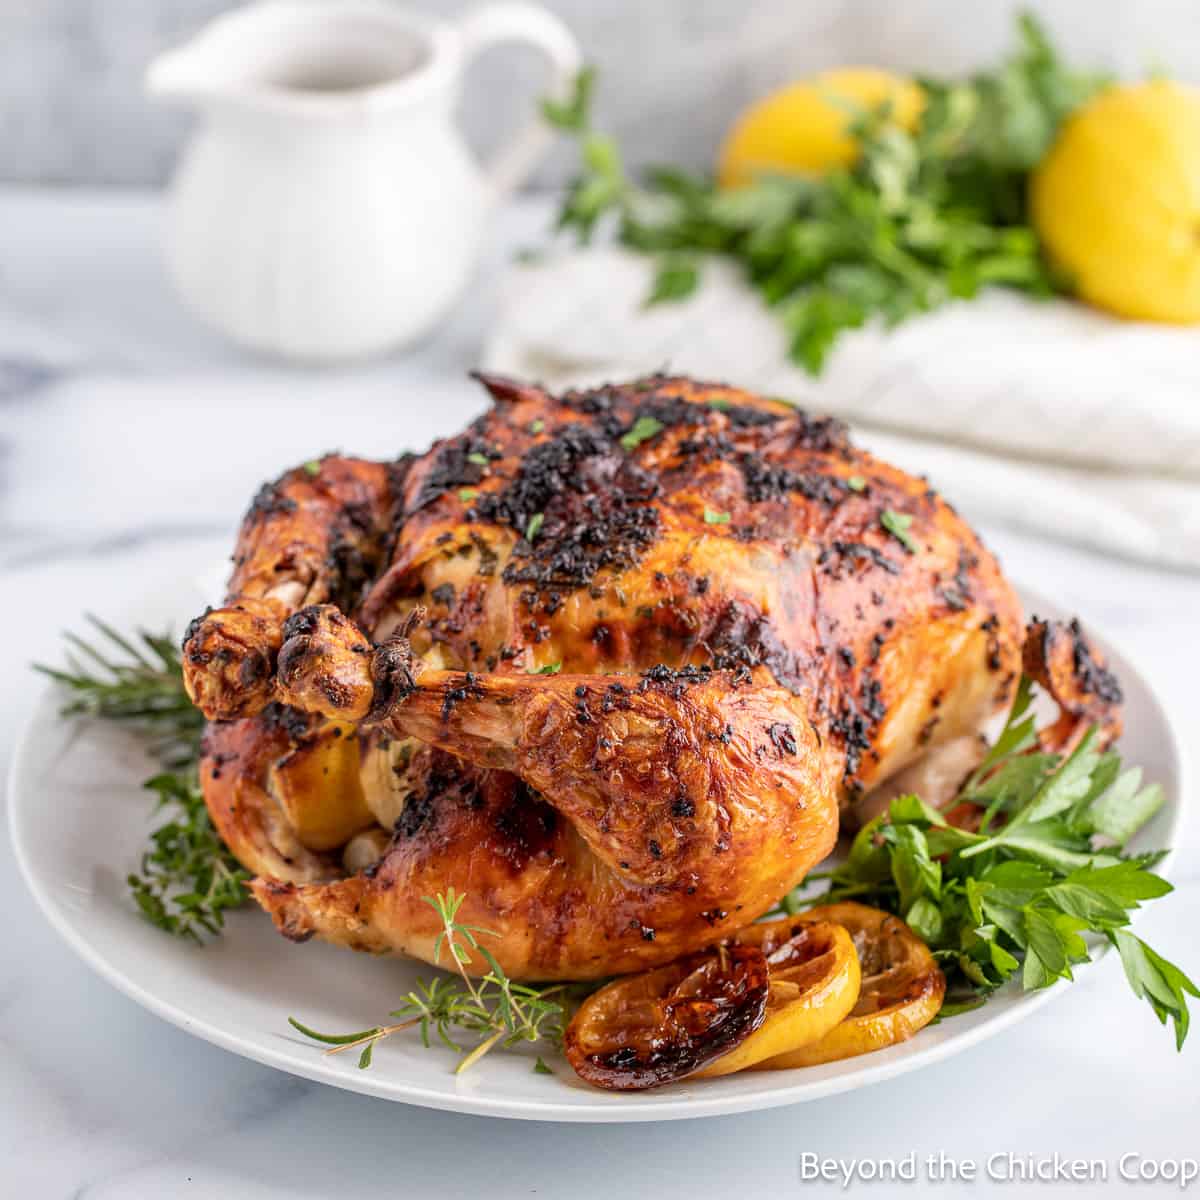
point(610, 663)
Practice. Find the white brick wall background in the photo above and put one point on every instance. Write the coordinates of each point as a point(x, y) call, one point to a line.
point(673, 72)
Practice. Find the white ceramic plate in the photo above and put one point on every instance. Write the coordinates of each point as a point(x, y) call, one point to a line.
point(79, 821)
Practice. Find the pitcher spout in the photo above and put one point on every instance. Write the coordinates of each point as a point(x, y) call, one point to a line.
point(184, 77)
point(299, 57)
point(217, 63)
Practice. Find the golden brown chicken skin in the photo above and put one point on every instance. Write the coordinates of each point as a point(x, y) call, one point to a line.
point(607, 662)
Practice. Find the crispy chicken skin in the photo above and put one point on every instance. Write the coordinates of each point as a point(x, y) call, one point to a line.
point(608, 662)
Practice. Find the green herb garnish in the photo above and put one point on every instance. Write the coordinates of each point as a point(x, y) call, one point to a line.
point(312, 468)
point(571, 115)
point(188, 878)
point(897, 524)
point(467, 494)
point(715, 518)
point(856, 483)
point(480, 460)
point(498, 1011)
point(922, 218)
point(537, 425)
point(535, 524)
point(549, 669)
point(1046, 868)
point(137, 681)
point(675, 279)
point(642, 430)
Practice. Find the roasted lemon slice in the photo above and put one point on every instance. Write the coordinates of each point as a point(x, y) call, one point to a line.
point(319, 788)
point(814, 980)
point(902, 988)
point(648, 1029)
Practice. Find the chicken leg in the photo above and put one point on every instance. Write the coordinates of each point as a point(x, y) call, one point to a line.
point(666, 801)
point(316, 534)
point(656, 773)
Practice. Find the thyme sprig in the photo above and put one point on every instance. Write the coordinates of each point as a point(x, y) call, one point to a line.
point(188, 879)
point(494, 1008)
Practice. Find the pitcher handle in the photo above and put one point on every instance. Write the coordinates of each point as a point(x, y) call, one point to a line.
point(517, 21)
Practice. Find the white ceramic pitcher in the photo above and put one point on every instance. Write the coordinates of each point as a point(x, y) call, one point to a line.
point(327, 208)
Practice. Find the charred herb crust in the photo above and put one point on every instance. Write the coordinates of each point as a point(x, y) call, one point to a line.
point(1094, 678)
point(580, 499)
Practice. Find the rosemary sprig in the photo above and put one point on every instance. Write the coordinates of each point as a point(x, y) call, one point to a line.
point(136, 680)
point(494, 1008)
point(188, 878)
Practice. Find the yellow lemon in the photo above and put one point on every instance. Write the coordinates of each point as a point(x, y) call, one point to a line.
point(801, 129)
point(1116, 201)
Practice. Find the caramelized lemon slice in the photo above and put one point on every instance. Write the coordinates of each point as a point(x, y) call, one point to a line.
point(319, 788)
point(814, 979)
point(656, 1026)
point(902, 988)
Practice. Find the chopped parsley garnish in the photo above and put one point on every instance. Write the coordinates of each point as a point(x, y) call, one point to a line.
point(535, 524)
point(467, 494)
point(675, 279)
point(856, 483)
point(715, 518)
point(549, 669)
point(897, 524)
point(643, 429)
point(480, 460)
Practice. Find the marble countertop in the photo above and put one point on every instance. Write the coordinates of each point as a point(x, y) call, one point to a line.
point(130, 441)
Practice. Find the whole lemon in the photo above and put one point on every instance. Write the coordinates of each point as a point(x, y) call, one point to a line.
point(1116, 201)
point(801, 129)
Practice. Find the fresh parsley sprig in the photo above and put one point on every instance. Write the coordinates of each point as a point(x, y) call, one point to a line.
point(494, 1008)
point(1045, 872)
point(920, 219)
point(188, 878)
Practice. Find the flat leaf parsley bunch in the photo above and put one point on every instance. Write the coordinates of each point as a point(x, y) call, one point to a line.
point(1045, 868)
point(921, 218)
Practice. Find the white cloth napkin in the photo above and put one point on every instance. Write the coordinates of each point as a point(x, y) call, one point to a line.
point(1044, 415)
